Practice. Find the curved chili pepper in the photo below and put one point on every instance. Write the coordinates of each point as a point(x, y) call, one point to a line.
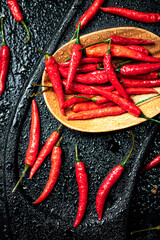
point(107, 62)
point(16, 12)
point(152, 75)
point(32, 149)
point(151, 164)
point(133, 15)
point(109, 181)
point(75, 99)
point(82, 181)
point(47, 148)
point(146, 229)
point(138, 48)
point(118, 51)
point(76, 56)
point(86, 106)
point(140, 83)
point(89, 14)
point(83, 61)
point(4, 61)
point(54, 173)
point(138, 69)
point(54, 76)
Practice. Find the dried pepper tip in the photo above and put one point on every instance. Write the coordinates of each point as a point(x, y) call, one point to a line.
point(123, 164)
point(76, 150)
point(147, 229)
point(2, 33)
point(28, 33)
point(24, 171)
point(93, 99)
point(44, 53)
point(59, 127)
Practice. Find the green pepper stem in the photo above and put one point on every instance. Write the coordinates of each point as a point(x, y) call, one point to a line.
point(146, 99)
point(24, 171)
point(46, 54)
point(67, 59)
point(74, 35)
point(123, 63)
point(58, 142)
point(76, 150)
point(77, 38)
point(39, 85)
point(28, 33)
point(158, 74)
point(151, 119)
point(93, 99)
point(2, 32)
point(146, 229)
point(59, 128)
point(109, 48)
point(123, 164)
point(92, 44)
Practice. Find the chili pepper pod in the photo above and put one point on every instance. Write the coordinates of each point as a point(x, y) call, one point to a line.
point(109, 181)
point(76, 56)
point(78, 107)
point(151, 164)
point(133, 15)
point(83, 60)
point(82, 181)
point(152, 75)
point(54, 172)
point(47, 148)
point(16, 12)
point(54, 76)
point(32, 149)
point(4, 60)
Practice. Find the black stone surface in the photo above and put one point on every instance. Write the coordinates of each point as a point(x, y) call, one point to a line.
point(130, 205)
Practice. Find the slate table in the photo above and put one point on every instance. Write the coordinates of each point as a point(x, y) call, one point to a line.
point(131, 204)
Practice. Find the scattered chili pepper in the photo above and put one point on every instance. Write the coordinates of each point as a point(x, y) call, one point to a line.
point(147, 229)
point(54, 173)
point(47, 148)
point(54, 76)
point(140, 83)
point(82, 181)
point(107, 62)
point(118, 51)
point(4, 60)
point(32, 149)
point(78, 107)
point(133, 15)
point(16, 12)
point(83, 61)
point(138, 69)
point(151, 164)
point(76, 56)
point(89, 14)
point(154, 190)
point(152, 75)
point(109, 181)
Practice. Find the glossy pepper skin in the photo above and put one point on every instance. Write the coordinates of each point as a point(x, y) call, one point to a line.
point(54, 172)
point(128, 41)
point(32, 149)
point(109, 181)
point(82, 181)
point(134, 15)
point(151, 164)
point(4, 61)
point(47, 148)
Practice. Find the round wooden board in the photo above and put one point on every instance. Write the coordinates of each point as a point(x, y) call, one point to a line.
point(111, 123)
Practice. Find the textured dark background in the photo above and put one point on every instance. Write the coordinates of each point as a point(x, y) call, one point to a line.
point(137, 207)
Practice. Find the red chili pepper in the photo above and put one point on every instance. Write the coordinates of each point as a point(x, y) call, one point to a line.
point(138, 48)
point(152, 75)
point(109, 181)
point(54, 76)
point(107, 62)
point(75, 99)
point(133, 15)
point(118, 51)
point(138, 69)
point(151, 164)
point(139, 90)
point(54, 173)
point(83, 61)
point(4, 61)
point(76, 56)
point(86, 89)
point(32, 149)
point(47, 148)
point(82, 181)
point(16, 12)
point(140, 83)
point(86, 106)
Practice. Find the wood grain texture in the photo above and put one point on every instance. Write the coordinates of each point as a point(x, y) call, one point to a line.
point(111, 123)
